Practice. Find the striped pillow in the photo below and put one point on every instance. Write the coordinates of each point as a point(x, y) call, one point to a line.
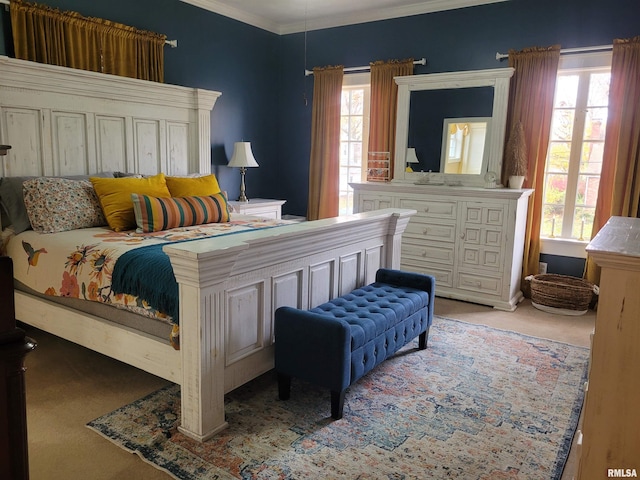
point(154, 214)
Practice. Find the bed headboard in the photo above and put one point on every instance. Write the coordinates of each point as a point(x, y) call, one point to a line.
point(63, 121)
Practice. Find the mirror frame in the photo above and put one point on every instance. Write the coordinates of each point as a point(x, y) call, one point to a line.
point(498, 78)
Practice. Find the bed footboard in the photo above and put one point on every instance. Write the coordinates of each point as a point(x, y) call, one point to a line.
point(230, 286)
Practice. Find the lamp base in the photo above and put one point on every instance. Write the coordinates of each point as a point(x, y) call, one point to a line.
point(243, 198)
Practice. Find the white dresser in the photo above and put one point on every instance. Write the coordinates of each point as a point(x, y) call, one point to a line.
point(471, 239)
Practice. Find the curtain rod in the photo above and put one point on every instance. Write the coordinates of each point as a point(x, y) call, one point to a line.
point(422, 61)
point(171, 43)
point(597, 48)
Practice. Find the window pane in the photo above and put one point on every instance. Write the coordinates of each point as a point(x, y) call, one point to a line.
point(355, 154)
point(344, 128)
point(566, 91)
point(562, 124)
point(357, 102)
point(345, 204)
point(592, 157)
point(344, 153)
point(595, 123)
point(599, 89)
point(587, 192)
point(344, 179)
point(344, 103)
point(355, 128)
point(552, 220)
point(558, 158)
point(555, 189)
point(583, 223)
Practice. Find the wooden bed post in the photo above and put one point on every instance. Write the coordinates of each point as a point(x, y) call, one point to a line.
point(397, 225)
point(202, 346)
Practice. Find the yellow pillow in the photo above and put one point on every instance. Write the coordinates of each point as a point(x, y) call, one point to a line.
point(115, 197)
point(193, 186)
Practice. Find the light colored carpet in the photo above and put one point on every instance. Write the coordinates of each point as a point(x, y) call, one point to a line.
point(67, 386)
point(478, 403)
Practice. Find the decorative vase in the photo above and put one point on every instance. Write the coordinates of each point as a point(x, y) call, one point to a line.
point(516, 181)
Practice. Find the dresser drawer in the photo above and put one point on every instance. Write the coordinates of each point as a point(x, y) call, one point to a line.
point(479, 283)
point(431, 231)
point(433, 253)
point(431, 209)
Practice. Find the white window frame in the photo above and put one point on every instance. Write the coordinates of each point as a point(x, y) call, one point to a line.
point(568, 247)
point(354, 81)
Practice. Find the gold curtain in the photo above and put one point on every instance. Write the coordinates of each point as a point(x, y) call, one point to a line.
point(384, 100)
point(531, 102)
point(619, 190)
point(47, 35)
point(324, 164)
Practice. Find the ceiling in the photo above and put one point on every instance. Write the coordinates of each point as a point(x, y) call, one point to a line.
point(291, 16)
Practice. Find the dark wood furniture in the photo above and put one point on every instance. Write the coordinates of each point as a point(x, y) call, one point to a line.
point(14, 345)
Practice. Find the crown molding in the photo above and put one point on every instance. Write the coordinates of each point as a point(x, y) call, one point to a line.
point(237, 14)
point(334, 20)
point(381, 14)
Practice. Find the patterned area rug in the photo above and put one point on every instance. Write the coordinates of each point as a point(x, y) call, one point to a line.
point(479, 403)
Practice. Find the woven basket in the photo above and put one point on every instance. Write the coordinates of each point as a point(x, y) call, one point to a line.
point(571, 295)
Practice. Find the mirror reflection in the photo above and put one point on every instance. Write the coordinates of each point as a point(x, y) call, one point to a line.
point(463, 142)
point(429, 108)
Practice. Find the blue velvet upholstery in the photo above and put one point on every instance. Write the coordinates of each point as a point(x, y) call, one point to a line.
point(336, 343)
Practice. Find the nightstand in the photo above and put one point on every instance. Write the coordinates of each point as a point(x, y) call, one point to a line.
point(259, 207)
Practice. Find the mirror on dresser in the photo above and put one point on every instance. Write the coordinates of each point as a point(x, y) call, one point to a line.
point(426, 101)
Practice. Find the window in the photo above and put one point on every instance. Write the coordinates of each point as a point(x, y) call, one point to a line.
point(354, 136)
point(574, 158)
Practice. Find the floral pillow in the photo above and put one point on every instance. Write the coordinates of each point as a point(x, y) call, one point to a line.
point(59, 204)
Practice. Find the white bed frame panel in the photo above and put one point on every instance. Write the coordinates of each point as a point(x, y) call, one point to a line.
point(63, 122)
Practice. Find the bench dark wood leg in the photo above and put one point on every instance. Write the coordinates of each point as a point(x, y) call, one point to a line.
point(422, 339)
point(337, 404)
point(284, 386)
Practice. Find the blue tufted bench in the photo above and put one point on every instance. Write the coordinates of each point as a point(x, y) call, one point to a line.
point(336, 343)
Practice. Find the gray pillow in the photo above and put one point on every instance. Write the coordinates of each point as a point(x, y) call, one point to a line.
point(12, 199)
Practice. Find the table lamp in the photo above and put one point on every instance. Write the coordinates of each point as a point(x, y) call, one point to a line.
point(242, 158)
point(411, 158)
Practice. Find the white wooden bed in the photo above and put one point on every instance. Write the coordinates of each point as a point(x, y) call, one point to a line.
point(61, 121)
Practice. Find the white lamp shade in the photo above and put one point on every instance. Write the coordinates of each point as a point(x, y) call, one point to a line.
point(411, 156)
point(242, 156)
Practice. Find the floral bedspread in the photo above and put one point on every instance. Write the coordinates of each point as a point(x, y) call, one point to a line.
point(79, 263)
